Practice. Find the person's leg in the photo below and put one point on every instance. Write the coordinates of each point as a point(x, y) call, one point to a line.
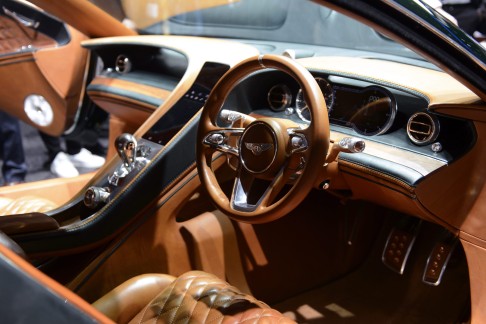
point(59, 162)
point(52, 144)
point(73, 147)
point(81, 157)
point(14, 168)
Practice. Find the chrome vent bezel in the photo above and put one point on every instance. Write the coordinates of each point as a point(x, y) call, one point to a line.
point(123, 64)
point(422, 128)
point(279, 97)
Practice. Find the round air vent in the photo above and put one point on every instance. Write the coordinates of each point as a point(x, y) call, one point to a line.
point(279, 97)
point(422, 128)
point(123, 64)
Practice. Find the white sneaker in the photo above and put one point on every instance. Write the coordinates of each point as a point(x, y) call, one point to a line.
point(86, 159)
point(62, 167)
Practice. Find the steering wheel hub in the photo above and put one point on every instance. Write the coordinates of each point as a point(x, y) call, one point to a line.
point(258, 148)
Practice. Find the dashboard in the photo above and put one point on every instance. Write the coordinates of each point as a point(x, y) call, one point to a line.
point(397, 109)
point(373, 111)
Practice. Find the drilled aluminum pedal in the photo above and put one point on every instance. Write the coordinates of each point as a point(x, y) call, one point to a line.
point(398, 246)
point(438, 260)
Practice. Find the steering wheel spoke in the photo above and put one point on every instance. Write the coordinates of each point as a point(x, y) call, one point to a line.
point(252, 194)
point(224, 140)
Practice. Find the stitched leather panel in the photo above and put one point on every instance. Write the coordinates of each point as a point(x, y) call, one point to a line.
point(13, 37)
point(125, 301)
point(199, 297)
point(27, 204)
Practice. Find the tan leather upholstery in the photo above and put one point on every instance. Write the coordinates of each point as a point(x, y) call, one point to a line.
point(194, 297)
point(27, 204)
point(13, 36)
point(125, 301)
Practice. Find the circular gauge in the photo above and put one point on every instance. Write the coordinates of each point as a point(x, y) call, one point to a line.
point(279, 97)
point(301, 106)
point(376, 112)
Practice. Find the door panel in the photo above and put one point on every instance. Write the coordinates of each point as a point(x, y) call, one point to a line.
point(41, 68)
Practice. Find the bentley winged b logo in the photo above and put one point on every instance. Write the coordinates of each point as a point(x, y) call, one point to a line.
point(258, 148)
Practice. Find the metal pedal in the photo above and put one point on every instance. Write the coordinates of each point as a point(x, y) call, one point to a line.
point(438, 260)
point(399, 244)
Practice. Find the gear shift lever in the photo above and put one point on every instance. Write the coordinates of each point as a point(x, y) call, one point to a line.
point(126, 147)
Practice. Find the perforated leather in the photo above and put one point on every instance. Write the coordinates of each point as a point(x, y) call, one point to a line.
point(199, 297)
point(24, 205)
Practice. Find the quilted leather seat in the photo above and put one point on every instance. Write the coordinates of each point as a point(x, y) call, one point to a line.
point(194, 297)
point(23, 205)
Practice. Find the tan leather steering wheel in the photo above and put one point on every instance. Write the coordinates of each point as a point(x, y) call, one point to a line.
point(270, 152)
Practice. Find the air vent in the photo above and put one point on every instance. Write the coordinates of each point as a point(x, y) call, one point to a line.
point(279, 97)
point(422, 128)
point(123, 64)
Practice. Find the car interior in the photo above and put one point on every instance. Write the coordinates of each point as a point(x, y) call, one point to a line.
point(326, 181)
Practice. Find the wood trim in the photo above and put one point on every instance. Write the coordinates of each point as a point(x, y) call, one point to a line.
point(131, 86)
point(415, 161)
point(103, 99)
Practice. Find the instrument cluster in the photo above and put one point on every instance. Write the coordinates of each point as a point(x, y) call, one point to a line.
point(369, 111)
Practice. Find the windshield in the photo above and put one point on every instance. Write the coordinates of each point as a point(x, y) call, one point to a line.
point(271, 25)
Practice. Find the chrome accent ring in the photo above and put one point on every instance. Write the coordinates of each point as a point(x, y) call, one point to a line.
point(260, 60)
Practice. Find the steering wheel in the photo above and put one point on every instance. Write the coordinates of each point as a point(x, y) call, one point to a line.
point(276, 160)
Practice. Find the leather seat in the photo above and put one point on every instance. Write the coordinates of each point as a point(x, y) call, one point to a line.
point(194, 297)
point(24, 205)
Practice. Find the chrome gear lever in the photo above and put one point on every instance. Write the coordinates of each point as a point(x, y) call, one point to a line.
point(126, 147)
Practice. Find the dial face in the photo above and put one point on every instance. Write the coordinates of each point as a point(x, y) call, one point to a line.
point(301, 106)
point(376, 112)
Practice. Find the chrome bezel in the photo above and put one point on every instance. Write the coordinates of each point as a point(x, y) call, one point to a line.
point(301, 105)
point(299, 100)
point(434, 133)
point(286, 97)
point(329, 103)
point(393, 112)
